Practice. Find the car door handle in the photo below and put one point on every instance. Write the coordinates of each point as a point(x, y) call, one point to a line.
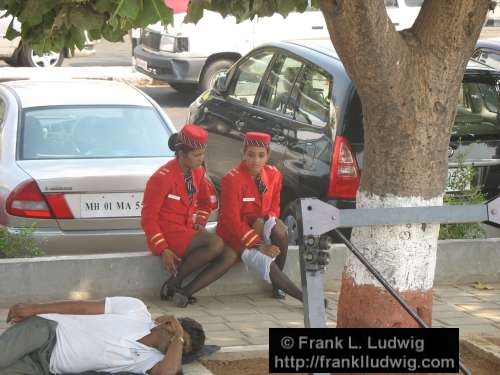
point(317, 27)
point(257, 117)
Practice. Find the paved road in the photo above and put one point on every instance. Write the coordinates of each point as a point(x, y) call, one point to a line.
point(173, 103)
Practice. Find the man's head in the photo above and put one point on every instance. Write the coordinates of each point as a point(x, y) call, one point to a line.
point(196, 334)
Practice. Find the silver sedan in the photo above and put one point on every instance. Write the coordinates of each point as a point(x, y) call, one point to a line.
point(74, 160)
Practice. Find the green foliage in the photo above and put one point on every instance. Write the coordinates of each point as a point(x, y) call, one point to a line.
point(465, 193)
point(244, 9)
point(19, 245)
point(51, 25)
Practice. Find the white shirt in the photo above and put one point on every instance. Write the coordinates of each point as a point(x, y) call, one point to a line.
point(105, 342)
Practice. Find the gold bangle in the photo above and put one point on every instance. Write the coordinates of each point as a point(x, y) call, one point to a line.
point(178, 338)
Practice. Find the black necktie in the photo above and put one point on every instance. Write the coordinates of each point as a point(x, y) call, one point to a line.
point(261, 186)
point(188, 180)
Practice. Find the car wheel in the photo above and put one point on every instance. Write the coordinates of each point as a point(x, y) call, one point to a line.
point(50, 59)
point(289, 217)
point(211, 72)
point(186, 88)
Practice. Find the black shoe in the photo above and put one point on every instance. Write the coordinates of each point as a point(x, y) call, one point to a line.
point(166, 292)
point(180, 300)
point(279, 294)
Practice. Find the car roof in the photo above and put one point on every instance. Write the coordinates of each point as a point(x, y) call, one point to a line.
point(490, 44)
point(33, 93)
point(319, 50)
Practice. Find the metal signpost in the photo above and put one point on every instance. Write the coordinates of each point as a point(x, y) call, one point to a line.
point(318, 218)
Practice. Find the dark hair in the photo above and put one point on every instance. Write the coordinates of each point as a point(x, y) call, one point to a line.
point(174, 146)
point(195, 331)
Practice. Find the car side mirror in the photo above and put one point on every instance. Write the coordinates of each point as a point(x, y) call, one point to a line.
point(220, 82)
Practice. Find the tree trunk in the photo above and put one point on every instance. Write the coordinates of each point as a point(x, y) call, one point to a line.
point(408, 82)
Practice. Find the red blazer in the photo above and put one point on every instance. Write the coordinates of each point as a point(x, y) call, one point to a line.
point(242, 204)
point(166, 207)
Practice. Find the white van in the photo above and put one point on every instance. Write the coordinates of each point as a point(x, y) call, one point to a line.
point(189, 56)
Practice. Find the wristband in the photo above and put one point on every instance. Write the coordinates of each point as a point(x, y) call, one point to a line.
point(177, 338)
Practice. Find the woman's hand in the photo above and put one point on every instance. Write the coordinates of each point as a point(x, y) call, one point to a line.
point(20, 312)
point(258, 226)
point(270, 250)
point(170, 260)
point(199, 227)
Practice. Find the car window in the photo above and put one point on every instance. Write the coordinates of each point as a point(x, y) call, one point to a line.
point(477, 111)
point(309, 101)
point(248, 75)
point(488, 57)
point(278, 86)
point(93, 132)
point(391, 3)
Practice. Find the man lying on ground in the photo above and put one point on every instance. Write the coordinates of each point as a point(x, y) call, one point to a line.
point(113, 335)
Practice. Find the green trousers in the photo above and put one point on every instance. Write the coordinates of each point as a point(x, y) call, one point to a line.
point(25, 348)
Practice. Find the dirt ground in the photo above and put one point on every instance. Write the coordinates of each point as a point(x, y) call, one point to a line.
point(259, 366)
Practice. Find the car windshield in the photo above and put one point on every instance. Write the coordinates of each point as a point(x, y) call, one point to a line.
point(478, 114)
point(93, 132)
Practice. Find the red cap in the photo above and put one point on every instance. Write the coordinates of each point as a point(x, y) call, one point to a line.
point(193, 136)
point(257, 139)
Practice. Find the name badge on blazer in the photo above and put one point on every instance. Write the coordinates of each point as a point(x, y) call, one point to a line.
point(249, 199)
point(176, 197)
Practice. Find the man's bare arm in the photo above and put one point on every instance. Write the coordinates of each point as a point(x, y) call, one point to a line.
point(22, 311)
point(171, 364)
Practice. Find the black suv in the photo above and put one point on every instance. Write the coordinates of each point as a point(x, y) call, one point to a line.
point(302, 95)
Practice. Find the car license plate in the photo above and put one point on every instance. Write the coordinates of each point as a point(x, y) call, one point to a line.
point(457, 181)
point(141, 64)
point(111, 205)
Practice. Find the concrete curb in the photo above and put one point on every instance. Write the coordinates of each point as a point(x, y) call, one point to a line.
point(140, 274)
point(483, 347)
point(111, 73)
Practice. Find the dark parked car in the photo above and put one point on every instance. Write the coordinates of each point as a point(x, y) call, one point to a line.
point(487, 52)
point(302, 95)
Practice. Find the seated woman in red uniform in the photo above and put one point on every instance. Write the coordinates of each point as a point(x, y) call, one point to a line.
point(177, 202)
point(249, 215)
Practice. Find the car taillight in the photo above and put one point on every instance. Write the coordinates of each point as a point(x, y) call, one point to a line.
point(58, 205)
point(344, 172)
point(26, 200)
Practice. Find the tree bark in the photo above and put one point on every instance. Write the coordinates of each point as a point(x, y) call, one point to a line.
point(408, 82)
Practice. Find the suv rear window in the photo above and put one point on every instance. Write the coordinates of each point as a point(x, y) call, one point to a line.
point(477, 111)
point(69, 132)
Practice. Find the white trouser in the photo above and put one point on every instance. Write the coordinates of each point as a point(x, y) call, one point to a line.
point(253, 258)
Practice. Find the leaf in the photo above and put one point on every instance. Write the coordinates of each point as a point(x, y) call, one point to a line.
point(479, 285)
point(12, 33)
point(112, 35)
point(62, 18)
point(34, 10)
point(195, 11)
point(105, 6)
point(146, 16)
point(130, 8)
point(163, 13)
point(85, 19)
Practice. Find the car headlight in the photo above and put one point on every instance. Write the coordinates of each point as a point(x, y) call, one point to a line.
point(167, 43)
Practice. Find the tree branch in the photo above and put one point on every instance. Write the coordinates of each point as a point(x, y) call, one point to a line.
point(444, 25)
point(366, 43)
